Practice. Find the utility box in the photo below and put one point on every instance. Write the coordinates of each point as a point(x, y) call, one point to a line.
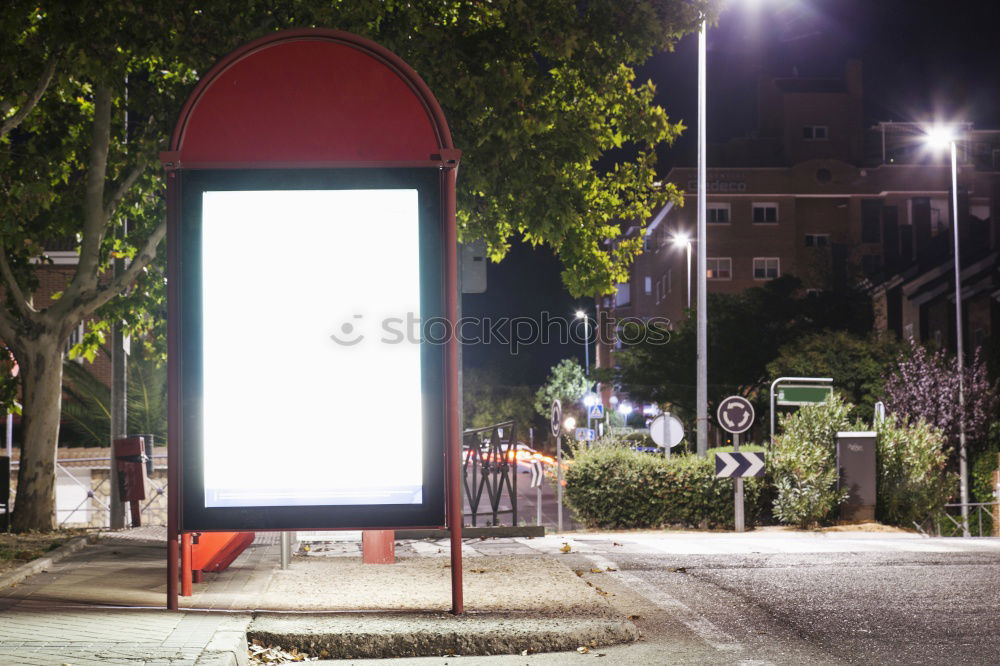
point(856, 467)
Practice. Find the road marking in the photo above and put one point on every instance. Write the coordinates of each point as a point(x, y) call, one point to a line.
point(703, 628)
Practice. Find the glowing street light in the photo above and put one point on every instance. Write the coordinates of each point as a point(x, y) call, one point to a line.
point(683, 240)
point(569, 423)
point(625, 409)
point(942, 136)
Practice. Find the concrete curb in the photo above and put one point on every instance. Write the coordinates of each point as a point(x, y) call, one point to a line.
point(228, 646)
point(360, 636)
point(42, 563)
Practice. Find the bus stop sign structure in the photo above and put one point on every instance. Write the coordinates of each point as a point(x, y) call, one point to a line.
point(311, 207)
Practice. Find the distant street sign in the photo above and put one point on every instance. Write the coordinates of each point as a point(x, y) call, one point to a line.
point(739, 464)
point(735, 414)
point(535, 467)
point(798, 395)
point(555, 421)
point(666, 431)
point(596, 411)
point(585, 435)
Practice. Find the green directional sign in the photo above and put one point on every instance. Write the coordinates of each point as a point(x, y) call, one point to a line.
point(798, 395)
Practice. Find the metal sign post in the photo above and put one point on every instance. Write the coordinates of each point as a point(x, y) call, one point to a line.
point(555, 422)
point(808, 394)
point(735, 415)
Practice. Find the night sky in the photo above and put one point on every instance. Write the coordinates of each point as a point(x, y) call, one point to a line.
point(923, 60)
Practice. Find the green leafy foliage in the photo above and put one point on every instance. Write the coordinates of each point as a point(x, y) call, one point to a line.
point(86, 406)
point(982, 466)
point(567, 383)
point(912, 482)
point(803, 463)
point(486, 400)
point(613, 487)
point(746, 332)
point(856, 363)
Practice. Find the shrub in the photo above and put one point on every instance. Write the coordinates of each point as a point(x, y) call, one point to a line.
point(803, 463)
point(981, 467)
point(912, 483)
point(612, 487)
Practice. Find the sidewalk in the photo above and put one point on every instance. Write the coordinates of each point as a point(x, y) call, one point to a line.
point(104, 604)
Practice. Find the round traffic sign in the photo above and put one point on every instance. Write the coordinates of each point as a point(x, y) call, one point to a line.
point(666, 430)
point(735, 414)
point(555, 420)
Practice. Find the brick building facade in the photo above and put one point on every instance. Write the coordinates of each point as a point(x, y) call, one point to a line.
point(814, 194)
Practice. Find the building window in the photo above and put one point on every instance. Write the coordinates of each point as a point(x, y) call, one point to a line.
point(817, 240)
point(940, 221)
point(766, 268)
point(624, 295)
point(718, 213)
point(765, 213)
point(647, 284)
point(871, 221)
point(814, 132)
point(75, 338)
point(719, 268)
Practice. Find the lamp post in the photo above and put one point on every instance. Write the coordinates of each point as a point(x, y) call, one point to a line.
point(685, 240)
point(580, 314)
point(625, 409)
point(939, 137)
point(701, 373)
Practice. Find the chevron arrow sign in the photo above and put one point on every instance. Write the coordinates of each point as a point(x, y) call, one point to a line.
point(536, 473)
point(739, 464)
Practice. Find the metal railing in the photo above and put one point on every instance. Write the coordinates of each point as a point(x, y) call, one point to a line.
point(948, 523)
point(96, 497)
point(489, 464)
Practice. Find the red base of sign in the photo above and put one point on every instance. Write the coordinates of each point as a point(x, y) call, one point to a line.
point(378, 547)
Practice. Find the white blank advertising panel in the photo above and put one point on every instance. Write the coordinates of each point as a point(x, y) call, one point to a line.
point(311, 362)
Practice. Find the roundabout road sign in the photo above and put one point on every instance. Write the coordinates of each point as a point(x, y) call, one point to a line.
point(555, 421)
point(735, 414)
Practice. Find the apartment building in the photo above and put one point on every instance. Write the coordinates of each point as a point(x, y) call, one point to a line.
point(815, 194)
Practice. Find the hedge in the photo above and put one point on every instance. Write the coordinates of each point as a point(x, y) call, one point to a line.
point(614, 487)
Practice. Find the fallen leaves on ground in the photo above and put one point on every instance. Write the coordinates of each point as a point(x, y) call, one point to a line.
point(272, 654)
point(565, 548)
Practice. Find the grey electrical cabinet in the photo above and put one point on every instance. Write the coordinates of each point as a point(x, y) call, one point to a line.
point(856, 465)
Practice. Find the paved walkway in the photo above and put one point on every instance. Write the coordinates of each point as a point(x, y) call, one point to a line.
point(104, 604)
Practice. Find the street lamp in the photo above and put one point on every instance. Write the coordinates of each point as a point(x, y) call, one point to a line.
point(569, 423)
point(682, 239)
point(942, 136)
point(580, 314)
point(701, 372)
point(625, 409)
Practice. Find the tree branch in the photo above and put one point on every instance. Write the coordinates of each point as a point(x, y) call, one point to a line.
point(43, 83)
point(94, 220)
point(86, 303)
point(13, 288)
point(125, 185)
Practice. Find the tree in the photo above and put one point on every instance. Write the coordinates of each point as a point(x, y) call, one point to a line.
point(923, 385)
point(567, 383)
point(746, 331)
point(536, 94)
point(487, 400)
point(856, 364)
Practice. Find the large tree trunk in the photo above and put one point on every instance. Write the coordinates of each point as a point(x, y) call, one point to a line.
point(34, 505)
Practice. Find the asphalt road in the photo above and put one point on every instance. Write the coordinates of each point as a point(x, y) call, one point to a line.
point(889, 601)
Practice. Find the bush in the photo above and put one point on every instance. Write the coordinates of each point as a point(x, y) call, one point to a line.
point(612, 487)
point(803, 463)
point(981, 468)
point(912, 483)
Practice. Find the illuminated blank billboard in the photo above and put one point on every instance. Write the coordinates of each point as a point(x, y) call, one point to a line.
point(310, 400)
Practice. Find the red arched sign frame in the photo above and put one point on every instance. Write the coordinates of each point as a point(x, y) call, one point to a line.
point(318, 104)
